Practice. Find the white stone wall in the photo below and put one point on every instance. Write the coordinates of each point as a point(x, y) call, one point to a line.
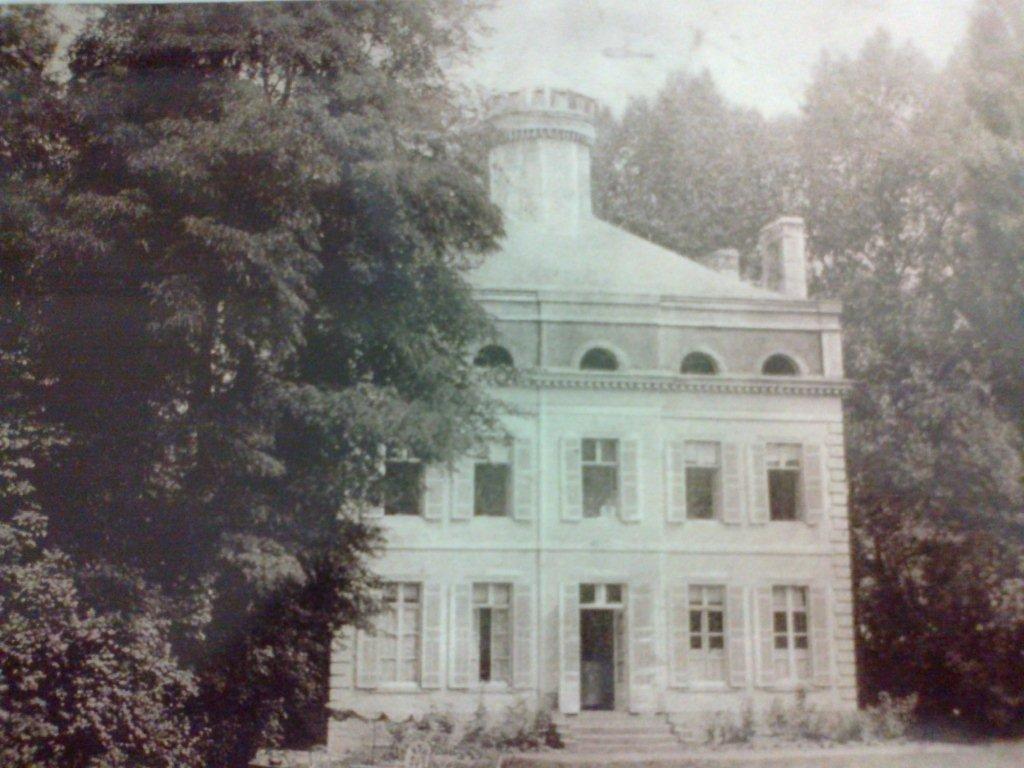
point(549, 552)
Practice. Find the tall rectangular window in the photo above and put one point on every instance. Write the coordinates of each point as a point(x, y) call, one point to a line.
point(791, 644)
point(491, 629)
point(400, 634)
point(782, 461)
point(707, 632)
point(403, 488)
point(600, 470)
point(492, 483)
point(703, 478)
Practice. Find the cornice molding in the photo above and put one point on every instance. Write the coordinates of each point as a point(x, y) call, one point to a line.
point(648, 382)
point(545, 296)
point(546, 132)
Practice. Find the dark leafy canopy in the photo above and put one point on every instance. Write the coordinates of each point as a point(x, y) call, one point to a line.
point(935, 466)
point(691, 172)
point(910, 181)
point(241, 283)
point(275, 198)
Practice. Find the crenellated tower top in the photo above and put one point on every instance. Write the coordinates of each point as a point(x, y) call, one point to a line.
point(540, 165)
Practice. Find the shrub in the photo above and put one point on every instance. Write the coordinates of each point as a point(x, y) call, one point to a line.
point(805, 722)
point(80, 688)
point(729, 728)
point(891, 717)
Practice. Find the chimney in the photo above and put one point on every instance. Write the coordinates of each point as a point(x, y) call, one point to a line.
point(540, 165)
point(724, 260)
point(783, 257)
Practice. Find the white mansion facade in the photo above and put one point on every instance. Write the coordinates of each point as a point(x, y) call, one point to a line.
point(665, 530)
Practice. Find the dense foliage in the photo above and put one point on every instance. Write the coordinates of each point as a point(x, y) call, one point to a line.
point(234, 242)
point(911, 184)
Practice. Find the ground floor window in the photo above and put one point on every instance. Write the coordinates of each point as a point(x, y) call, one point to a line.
point(707, 632)
point(791, 653)
point(400, 634)
point(491, 629)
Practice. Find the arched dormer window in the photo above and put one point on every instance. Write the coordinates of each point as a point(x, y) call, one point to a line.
point(699, 363)
point(493, 356)
point(599, 359)
point(780, 365)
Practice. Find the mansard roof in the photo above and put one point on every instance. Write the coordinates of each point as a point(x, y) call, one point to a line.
point(593, 255)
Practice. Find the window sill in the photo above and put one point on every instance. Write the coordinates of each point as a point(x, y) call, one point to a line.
point(709, 686)
point(400, 688)
point(491, 688)
point(790, 686)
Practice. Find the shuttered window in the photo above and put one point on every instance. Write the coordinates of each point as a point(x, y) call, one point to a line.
point(707, 633)
point(600, 471)
point(492, 632)
point(790, 634)
point(399, 637)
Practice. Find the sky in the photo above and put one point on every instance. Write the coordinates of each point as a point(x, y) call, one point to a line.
point(761, 53)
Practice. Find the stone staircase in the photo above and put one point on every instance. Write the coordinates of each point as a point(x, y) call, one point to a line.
point(607, 733)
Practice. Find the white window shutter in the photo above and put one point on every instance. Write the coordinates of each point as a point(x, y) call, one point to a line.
point(572, 479)
point(523, 484)
point(367, 671)
point(821, 658)
point(766, 666)
point(732, 484)
point(522, 637)
point(569, 649)
point(629, 481)
point(462, 490)
point(343, 658)
point(679, 635)
point(435, 494)
point(643, 649)
point(430, 671)
point(758, 485)
point(736, 634)
point(675, 461)
point(814, 483)
point(460, 663)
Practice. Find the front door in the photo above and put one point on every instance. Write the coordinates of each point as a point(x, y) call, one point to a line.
point(597, 659)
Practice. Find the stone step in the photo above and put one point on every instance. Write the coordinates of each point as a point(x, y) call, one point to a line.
point(616, 730)
point(640, 745)
point(599, 738)
point(611, 719)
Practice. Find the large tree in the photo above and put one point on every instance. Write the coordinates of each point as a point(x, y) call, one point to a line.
point(935, 467)
point(243, 286)
point(988, 278)
point(690, 171)
point(78, 686)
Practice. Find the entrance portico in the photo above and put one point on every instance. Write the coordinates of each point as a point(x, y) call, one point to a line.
point(607, 648)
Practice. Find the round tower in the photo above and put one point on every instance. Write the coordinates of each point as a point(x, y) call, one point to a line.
point(540, 165)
